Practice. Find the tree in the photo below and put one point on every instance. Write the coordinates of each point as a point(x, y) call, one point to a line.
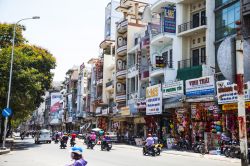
point(31, 75)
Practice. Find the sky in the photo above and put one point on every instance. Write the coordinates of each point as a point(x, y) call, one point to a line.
point(70, 29)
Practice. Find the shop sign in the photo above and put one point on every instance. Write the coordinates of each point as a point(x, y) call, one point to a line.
point(154, 100)
point(234, 106)
point(227, 92)
point(125, 111)
point(98, 110)
point(172, 89)
point(200, 86)
point(141, 103)
point(170, 19)
point(105, 111)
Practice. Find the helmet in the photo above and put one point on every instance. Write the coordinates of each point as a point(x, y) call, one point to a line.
point(77, 150)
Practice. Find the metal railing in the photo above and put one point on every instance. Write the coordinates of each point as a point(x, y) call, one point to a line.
point(191, 25)
point(188, 63)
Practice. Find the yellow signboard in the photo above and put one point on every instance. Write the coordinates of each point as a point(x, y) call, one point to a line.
point(233, 106)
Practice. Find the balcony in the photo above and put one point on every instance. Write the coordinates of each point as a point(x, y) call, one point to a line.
point(110, 85)
point(120, 95)
point(159, 35)
point(121, 73)
point(122, 26)
point(122, 50)
point(191, 28)
point(188, 70)
point(156, 71)
point(133, 71)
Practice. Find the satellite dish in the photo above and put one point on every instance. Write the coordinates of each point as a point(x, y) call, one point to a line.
point(226, 59)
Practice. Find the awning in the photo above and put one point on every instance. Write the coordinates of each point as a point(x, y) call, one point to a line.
point(55, 122)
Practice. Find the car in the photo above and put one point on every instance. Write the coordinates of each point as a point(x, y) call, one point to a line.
point(43, 135)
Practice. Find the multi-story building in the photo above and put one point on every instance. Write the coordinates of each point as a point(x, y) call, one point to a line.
point(125, 86)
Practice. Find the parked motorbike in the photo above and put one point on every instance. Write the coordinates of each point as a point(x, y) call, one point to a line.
point(90, 144)
point(199, 147)
point(182, 145)
point(72, 142)
point(232, 150)
point(63, 144)
point(107, 145)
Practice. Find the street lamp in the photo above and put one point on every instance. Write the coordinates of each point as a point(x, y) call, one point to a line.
point(10, 79)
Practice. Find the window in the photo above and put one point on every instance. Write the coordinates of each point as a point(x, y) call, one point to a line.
point(225, 21)
point(203, 55)
point(170, 59)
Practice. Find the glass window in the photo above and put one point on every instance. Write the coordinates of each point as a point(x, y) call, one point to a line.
point(225, 20)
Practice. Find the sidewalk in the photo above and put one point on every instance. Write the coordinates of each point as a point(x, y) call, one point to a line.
point(187, 154)
point(9, 145)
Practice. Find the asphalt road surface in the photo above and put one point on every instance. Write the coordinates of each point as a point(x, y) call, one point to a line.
point(26, 153)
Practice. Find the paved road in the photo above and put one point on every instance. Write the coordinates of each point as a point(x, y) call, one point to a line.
point(27, 153)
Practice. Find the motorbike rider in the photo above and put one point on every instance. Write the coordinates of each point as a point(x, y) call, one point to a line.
point(64, 139)
point(156, 139)
point(149, 142)
point(76, 155)
point(105, 139)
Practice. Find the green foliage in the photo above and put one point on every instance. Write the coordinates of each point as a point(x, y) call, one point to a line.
point(31, 74)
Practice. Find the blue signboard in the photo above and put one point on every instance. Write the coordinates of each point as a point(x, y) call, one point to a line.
point(170, 19)
point(7, 112)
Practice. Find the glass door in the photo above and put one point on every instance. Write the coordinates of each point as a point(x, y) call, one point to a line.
point(196, 20)
point(195, 58)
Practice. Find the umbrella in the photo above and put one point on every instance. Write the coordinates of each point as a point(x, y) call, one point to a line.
point(96, 129)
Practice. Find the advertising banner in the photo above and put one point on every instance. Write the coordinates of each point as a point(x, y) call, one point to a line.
point(170, 19)
point(200, 86)
point(227, 92)
point(154, 100)
point(55, 102)
point(172, 89)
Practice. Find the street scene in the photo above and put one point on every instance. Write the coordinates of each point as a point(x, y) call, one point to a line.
point(125, 82)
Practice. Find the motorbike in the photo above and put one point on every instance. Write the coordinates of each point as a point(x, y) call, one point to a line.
point(90, 144)
point(56, 141)
point(22, 136)
point(149, 150)
point(158, 148)
point(107, 145)
point(182, 145)
point(199, 147)
point(63, 144)
point(72, 142)
point(232, 150)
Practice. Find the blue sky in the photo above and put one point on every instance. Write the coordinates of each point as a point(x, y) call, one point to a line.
point(70, 29)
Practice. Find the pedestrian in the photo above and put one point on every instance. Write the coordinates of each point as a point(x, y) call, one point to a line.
point(76, 155)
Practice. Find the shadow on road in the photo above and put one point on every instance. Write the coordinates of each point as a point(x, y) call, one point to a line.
point(25, 144)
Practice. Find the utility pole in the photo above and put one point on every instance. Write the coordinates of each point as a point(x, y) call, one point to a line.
point(241, 95)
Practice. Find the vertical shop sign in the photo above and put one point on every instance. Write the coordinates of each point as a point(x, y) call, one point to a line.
point(154, 100)
point(170, 19)
point(55, 102)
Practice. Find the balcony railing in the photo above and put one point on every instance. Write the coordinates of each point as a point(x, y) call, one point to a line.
point(110, 83)
point(191, 25)
point(122, 48)
point(188, 63)
point(123, 92)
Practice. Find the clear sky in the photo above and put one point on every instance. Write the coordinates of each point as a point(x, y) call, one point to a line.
point(70, 29)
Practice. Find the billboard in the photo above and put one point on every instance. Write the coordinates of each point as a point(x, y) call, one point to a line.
point(55, 102)
point(154, 100)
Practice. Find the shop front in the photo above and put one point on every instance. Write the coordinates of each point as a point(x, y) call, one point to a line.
point(227, 99)
point(205, 115)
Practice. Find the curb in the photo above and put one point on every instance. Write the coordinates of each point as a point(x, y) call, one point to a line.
point(4, 151)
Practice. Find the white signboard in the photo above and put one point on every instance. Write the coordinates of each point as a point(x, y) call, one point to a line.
point(227, 92)
point(200, 86)
point(55, 102)
point(154, 100)
point(172, 89)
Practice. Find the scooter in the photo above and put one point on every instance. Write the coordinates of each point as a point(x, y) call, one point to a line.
point(90, 144)
point(149, 150)
point(63, 144)
point(72, 142)
point(106, 145)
